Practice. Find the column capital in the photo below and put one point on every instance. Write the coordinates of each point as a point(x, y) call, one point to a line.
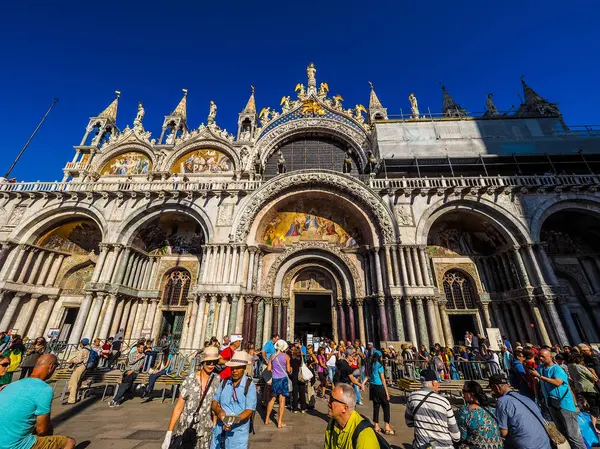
point(381, 301)
point(101, 295)
point(118, 247)
point(104, 246)
point(248, 299)
point(285, 302)
point(36, 295)
point(442, 302)
point(339, 301)
point(375, 249)
point(7, 245)
point(359, 301)
point(213, 298)
point(349, 302)
point(418, 299)
point(268, 300)
point(50, 297)
point(397, 299)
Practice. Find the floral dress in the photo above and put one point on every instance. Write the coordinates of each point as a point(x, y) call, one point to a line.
point(191, 393)
point(478, 428)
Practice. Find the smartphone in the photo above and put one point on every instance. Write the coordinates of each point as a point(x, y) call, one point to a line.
point(229, 420)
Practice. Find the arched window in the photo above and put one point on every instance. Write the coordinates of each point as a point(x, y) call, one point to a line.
point(177, 288)
point(459, 293)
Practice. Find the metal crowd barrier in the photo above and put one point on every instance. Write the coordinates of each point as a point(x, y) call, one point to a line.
point(457, 370)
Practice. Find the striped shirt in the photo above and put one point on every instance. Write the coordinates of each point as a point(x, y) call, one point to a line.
point(434, 421)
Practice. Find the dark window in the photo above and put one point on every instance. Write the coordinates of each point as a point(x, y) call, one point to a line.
point(458, 291)
point(177, 288)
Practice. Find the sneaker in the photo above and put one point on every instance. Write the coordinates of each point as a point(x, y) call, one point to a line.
point(360, 403)
point(303, 411)
point(295, 411)
point(113, 404)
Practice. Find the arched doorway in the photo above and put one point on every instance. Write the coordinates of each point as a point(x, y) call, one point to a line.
point(461, 303)
point(174, 300)
point(313, 293)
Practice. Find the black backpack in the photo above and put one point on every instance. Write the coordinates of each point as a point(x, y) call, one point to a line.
point(366, 424)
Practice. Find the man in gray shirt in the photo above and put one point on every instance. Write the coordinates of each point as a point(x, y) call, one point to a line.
point(135, 360)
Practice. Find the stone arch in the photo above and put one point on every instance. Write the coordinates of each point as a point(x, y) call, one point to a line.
point(143, 215)
point(245, 219)
point(54, 214)
point(83, 270)
point(138, 147)
point(311, 251)
point(572, 201)
point(470, 276)
point(202, 144)
point(290, 277)
point(513, 230)
point(359, 141)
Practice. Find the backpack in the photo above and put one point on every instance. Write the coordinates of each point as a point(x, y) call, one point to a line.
point(365, 424)
point(93, 359)
point(248, 383)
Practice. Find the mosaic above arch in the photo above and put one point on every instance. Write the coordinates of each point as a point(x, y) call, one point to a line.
point(170, 233)
point(131, 163)
point(75, 237)
point(202, 161)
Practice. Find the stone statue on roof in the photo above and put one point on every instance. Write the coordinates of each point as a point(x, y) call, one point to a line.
point(137, 122)
point(414, 106)
point(492, 110)
point(212, 113)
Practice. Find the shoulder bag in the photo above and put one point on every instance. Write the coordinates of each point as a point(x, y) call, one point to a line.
point(189, 437)
point(557, 439)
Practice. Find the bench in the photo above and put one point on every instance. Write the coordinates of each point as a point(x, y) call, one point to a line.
point(91, 377)
point(168, 380)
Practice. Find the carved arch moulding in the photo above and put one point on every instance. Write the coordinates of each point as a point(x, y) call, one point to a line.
point(296, 271)
point(323, 247)
point(325, 178)
point(203, 142)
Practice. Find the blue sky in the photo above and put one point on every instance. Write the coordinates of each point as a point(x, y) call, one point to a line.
point(81, 52)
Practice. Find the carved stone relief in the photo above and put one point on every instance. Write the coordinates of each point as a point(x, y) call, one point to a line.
point(225, 215)
point(404, 215)
point(16, 215)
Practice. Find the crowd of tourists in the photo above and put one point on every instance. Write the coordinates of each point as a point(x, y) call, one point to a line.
point(523, 396)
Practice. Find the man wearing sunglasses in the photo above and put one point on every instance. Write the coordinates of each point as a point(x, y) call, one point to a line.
point(347, 429)
point(25, 408)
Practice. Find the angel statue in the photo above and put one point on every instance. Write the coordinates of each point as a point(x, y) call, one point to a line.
point(137, 122)
point(281, 164)
point(311, 72)
point(212, 113)
point(358, 110)
point(337, 102)
point(371, 162)
point(323, 89)
point(492, 110)
point(414, 106)
point(264, 115)
point(347, 168)
point(285, 104)
point(301, 91)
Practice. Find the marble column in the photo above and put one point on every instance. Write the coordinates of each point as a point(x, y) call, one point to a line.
point(284, 317)
point(511, 322)
point(233, 271)
point(125, 317)
point(211, 321)
point(251, 269)
point(394, 253)
point(130, 323)
point(36, 266)
point(539, 322)
point(221, 322)
point(268, 317)
point(233, 314)
point(410, 322)
point(56, 265)
point(227, 268)
point(108, 316)
point(342, 318)
point(432, 318)
point(140, 319)
point(535, 264)
point(422, 323)
point(94, 315)
point(485, 308)
point(378, 273)
point(26, 265)
point(570, 327)
point(243, 266)
point(119, 273)
point(518, 258)
point(260, 323)
point(20, 252)
point(398, 317)
point(247, 317)
point(7, 255)
point(157, 322)
point(409, 264)
point(415, 262)
point(185, 331)
point(446, 323)
point(440, 327)
point(498, 317)
point(547, 263)
point(390, 273)
point(520, 324)
point(352, 325)
point(425, 266)
point(114, 328)
point(526, 318)
point(80, 320)
point(383, 325)
point(402, 261)
point(197, 339)
point(45, 270)
point(26, 315)
point(149, 320)
point(361, 320)
point(100, 264)
point(275, 317)
point(45, 317)
point(253, 318)
point(492, 281)
point(239, 319)
point(557, 323)
point(507, 272)
point(10, 311)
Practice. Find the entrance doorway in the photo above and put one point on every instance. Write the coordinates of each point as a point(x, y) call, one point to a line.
point(461, 324)
point(173, 324)
point(312, 316)
point(68, 322)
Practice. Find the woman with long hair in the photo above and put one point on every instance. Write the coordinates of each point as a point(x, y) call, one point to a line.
point(477, 421)
point(299, 388)
point(15, 353)
point(379, 394)
point(279, 365)
point(199, 386)
point(322, 371)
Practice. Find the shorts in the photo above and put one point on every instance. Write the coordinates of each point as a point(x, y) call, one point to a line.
point(280, 386)
point(322, 378)
point(50, 442)
point(593, 400)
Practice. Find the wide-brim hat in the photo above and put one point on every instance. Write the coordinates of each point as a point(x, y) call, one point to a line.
point(210, 353)
point(281, 345)
point(240, 358)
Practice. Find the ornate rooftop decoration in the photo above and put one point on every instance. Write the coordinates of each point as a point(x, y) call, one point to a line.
point(110, 113)
point(251, 105)
point(449, 107)
point(535, 104)
point(181, 109)
point(374, 102)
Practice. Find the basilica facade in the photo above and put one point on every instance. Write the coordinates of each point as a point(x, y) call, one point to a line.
point(313, 220)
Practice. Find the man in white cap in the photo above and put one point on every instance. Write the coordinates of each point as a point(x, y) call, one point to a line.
point(234, 405)
point(227, 354)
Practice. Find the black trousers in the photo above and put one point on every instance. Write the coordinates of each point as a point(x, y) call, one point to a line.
point(298, 389)
point(380, 401)
point(125, 385)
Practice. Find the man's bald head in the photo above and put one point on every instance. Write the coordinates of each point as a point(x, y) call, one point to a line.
point(546, 357)
point(45, 367)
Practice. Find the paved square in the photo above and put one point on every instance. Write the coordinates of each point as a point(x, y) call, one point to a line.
point(142, 426)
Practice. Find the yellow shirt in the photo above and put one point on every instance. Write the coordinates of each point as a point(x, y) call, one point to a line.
point(336, 438)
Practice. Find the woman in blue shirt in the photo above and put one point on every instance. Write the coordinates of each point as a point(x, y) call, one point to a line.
point(379, 394)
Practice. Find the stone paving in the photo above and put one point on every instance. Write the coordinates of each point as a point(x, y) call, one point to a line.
point(142, 426)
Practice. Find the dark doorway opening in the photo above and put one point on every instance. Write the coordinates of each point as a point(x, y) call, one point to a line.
point(68, 322)
point(313, 316)
point(461, 324)
point(173, 324)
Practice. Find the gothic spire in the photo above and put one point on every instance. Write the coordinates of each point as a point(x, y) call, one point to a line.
point(374, 102)
point(535, 104)
point(110, 113)
point(181, 109)
point(449, 107)
point(251, 105)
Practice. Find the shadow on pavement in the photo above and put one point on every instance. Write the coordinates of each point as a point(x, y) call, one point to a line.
point(83, 444)
point(73, 410)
